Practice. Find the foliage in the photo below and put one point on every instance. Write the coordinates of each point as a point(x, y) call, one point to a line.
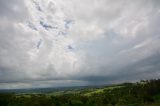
point(144, 93)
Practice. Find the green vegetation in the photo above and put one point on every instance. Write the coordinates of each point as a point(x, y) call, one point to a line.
point(144, 93)
point(100, 90)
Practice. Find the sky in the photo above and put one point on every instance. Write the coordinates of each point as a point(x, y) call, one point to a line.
point(56, 43)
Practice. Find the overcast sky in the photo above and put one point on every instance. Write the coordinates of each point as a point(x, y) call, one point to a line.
point(52, 43)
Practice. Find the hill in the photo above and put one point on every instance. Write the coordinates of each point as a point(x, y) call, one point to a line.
point(143, 93)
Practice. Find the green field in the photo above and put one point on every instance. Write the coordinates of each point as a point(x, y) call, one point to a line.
point(100, 90)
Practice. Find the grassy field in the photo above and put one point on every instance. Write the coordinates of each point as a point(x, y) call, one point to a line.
point(100, 90)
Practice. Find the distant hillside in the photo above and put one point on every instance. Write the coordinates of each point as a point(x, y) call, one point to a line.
point(47, 90)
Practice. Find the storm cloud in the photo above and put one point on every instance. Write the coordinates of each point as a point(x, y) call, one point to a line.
point(51, 43)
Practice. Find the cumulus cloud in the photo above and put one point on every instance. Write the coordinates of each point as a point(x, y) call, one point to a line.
point(48, 43)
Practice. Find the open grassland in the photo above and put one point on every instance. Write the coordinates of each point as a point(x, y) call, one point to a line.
point(101, 90)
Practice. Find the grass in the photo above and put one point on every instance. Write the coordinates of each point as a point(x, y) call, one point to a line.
point(101, 90)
